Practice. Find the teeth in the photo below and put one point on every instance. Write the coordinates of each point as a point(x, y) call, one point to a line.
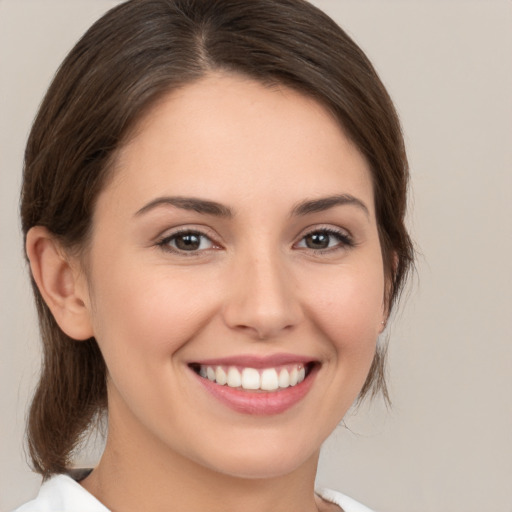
point(267, 379)
point(234, 378)
point(284, 378)
point(250, 378)
point(293, 376)
point(220, 376)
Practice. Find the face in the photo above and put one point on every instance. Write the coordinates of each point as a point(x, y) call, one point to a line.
point(235, 279)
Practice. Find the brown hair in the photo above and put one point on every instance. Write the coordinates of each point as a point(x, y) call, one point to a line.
point(131, 57)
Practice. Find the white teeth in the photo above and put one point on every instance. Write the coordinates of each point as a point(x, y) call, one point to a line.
point(294, 376)
point(268, 379)
point(234, 378)
point(250, 378)
point(220, 376)
point(284, 378)
point(210, 373)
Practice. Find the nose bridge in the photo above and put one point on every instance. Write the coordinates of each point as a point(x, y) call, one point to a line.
point(263, 301)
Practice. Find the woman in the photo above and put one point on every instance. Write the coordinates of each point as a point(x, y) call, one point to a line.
point(213, 205)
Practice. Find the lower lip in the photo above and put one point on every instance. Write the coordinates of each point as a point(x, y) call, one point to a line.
point(259, 402)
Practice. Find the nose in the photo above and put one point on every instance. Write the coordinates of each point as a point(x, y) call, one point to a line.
point(263, 302)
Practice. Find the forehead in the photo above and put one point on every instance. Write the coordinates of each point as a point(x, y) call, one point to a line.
point(230, 135)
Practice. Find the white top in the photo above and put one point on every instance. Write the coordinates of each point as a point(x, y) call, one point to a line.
point(63, 494)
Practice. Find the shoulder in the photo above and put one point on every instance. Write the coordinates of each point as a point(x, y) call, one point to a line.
point(345, 502)
point(63, 494)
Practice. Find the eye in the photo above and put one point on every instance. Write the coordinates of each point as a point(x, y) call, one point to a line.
point(325, 239)
point(186, 241)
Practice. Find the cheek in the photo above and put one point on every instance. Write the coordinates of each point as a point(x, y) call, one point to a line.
point(142, 321)
point(347, 305)
point(141, 314)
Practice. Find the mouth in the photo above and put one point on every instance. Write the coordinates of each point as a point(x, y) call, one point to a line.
point(256, 386)
point(269, 379)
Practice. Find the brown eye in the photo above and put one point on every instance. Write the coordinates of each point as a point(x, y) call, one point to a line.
point(190, 242)
point(325, 239)
point(318, 240)
point(186, 241)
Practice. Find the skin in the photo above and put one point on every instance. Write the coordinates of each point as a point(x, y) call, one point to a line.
point(254, 287)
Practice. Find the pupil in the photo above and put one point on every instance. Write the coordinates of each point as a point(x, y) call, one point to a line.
point(189, 242)
point(317, 240)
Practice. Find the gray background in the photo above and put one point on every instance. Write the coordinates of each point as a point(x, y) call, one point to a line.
point(446, 444)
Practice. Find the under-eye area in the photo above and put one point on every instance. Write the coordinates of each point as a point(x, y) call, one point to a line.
point(256, 379)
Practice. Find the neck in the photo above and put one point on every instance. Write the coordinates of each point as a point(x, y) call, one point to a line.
point(134, 475)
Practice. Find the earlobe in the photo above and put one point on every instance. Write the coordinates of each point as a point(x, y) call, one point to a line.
point(60, 284)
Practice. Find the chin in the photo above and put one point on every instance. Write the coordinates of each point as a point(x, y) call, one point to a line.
point(261, 460)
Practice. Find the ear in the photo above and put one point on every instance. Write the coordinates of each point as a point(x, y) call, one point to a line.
point(60, 282)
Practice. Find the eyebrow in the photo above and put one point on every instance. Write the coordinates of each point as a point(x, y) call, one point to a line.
point(325, 203)
point(188, 203)
point(219, 210)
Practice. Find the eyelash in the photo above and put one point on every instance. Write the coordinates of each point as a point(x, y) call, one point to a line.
point(345, 241)
point(165, 242)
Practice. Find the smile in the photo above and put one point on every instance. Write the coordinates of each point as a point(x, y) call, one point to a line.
point(253, 379)
point(257, 387)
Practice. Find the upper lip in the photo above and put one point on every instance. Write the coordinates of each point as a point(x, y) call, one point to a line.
point(256, 361)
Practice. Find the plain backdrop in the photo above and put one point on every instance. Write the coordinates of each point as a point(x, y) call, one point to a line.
point(446, 445)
